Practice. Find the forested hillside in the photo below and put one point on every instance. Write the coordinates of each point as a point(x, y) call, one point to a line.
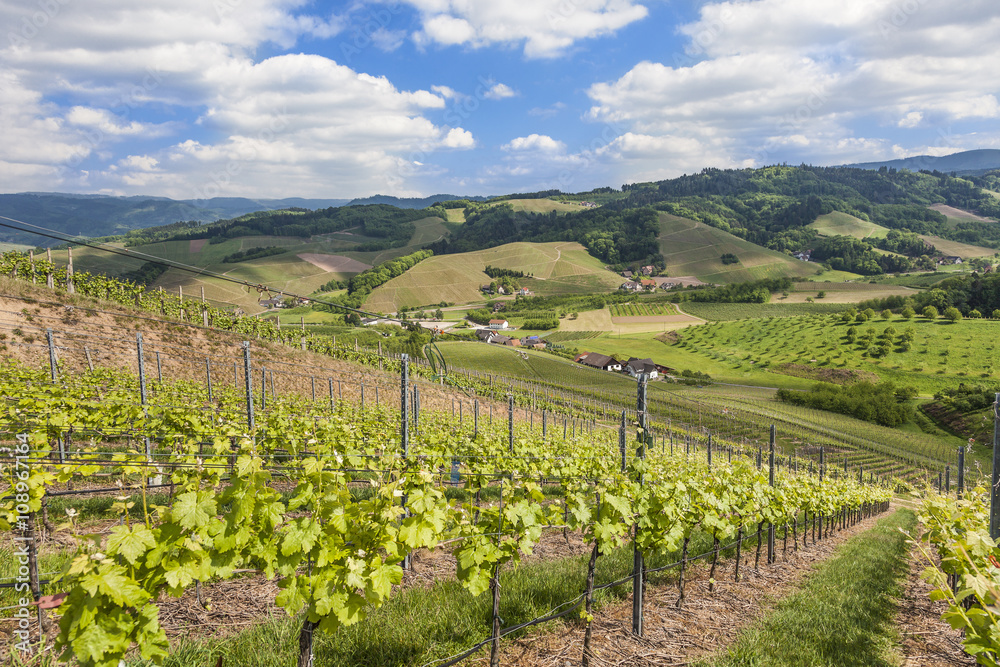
point(772, 206)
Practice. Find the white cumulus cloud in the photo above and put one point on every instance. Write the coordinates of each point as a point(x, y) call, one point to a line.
point(545, 28)
point(535, 142)
point(499, 91)
point(96, 73)
point(816, 81)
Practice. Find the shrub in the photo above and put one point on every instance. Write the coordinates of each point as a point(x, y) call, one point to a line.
point(930, 312)
point(952, 314)
point(886, 314)
point(975, 314)
point(907, 313)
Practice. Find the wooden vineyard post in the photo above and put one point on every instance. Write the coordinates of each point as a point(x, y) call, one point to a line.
point(590, 595)
point(333, 403)
point(143, 398)
point(70, 287)
point(961, 472)
point(263, 389)
point(994, 493)
point(638, 566)
point(770, 478)
point(248, 380)
point(621, 440)
point(404, 426)
point(208, 376)
point(510, 423)
point(306, 643)
point(53, 364)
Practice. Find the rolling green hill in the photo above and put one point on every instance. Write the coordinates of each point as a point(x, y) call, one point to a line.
point(557, 268)
point(842, 224)
point(306, 264)
point(694, 249)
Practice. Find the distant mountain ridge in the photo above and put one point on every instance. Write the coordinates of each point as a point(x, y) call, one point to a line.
point(411, 202)
point(93, 215)
point(973, 162)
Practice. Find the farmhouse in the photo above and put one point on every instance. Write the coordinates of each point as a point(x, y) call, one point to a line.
point(499, 324)
point(601, 361)
point(647, 284)
point(627, 274)
point(273, 302)
point(950, 259)
point(635, 366)
point(630, 286)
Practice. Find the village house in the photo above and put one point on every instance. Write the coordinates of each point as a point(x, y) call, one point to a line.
point(648, 270)
point(597, 360)
point(486, 335)
point(273, 302)
point(647, 284)
point(499, 324)
point(630, 286)
point(635, 366)
point(627, 274)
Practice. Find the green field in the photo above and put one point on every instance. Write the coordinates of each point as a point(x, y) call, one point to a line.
point(558, 268)
point(694, 249)
point(941, 354)
point(642, 309)
point(572, 336)
point(842, 224)
point(285, 272)
point(739, 311)
point(843, 293)
point(542, 205)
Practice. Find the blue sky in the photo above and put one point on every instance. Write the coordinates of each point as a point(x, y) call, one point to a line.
point(276, 98)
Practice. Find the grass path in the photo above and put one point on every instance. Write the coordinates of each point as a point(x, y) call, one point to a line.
point(843, 615)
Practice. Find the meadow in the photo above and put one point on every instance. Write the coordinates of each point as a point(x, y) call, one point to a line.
point(695, 249)
point(940, 354)
point(283, 272)
point(556, 268)
point(842, 224)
